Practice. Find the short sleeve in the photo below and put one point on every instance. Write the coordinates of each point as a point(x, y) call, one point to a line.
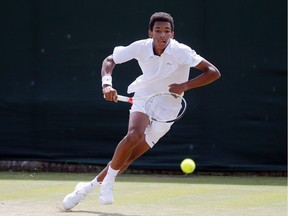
point(188, 56)
point(194, 59)
point(123, 54)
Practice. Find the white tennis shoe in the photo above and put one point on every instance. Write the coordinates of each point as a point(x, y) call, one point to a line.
point(72, 199)
point(106, 194)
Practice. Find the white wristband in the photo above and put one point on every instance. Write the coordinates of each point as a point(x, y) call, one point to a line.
point(107, 80)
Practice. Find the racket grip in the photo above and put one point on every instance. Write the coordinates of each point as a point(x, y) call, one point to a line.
point(124, 99)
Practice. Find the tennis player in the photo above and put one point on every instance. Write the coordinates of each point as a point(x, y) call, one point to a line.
point(165, 64)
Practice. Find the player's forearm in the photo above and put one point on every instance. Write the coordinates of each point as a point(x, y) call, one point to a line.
point(106, 71)
point(107, 66)
point(203, 79)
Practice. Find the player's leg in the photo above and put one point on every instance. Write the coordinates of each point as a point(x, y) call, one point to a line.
point(137, 124)
point(82, 189)
point(139, 150)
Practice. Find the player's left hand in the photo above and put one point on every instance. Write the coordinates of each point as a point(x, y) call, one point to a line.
point(176, 88)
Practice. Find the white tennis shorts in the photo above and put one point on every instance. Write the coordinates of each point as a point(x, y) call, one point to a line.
point(155, 130)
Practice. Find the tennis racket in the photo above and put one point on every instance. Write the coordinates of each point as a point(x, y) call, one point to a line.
point(161, 107)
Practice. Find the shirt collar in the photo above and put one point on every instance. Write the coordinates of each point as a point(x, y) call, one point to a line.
point(166, 51)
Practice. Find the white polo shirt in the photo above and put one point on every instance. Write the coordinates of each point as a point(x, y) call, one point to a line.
point(173, 66)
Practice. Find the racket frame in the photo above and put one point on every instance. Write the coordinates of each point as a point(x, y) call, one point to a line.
point(179, 116)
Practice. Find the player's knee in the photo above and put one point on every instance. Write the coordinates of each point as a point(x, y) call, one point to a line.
point(133, 136)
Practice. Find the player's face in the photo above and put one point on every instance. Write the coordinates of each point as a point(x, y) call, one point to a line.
point(161, 35)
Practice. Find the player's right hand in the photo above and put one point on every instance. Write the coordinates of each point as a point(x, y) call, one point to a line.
point(109, 93)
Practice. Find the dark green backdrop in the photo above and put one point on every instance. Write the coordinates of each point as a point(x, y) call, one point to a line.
point(51, 106)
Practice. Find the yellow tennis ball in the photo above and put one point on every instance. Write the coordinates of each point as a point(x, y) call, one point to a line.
point(188, 166)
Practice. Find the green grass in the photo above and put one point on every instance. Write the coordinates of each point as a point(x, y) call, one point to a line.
point(156, 195)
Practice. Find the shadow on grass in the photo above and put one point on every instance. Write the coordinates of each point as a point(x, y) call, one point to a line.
point(96, 213)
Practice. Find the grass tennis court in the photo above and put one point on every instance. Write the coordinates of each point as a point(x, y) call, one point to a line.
point(31, 194)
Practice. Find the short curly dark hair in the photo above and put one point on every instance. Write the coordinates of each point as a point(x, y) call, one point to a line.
point(161, 16)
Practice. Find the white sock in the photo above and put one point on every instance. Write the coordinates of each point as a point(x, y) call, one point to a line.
point(111, 175)
point(92, 185)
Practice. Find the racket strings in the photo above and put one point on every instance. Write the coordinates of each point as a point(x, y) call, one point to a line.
point(163, 107)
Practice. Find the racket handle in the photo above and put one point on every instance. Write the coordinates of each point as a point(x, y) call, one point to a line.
point(125, 99)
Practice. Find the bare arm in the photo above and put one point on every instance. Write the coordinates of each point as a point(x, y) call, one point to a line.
point(107, 66)
point(209, 75)
point(109, 93)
